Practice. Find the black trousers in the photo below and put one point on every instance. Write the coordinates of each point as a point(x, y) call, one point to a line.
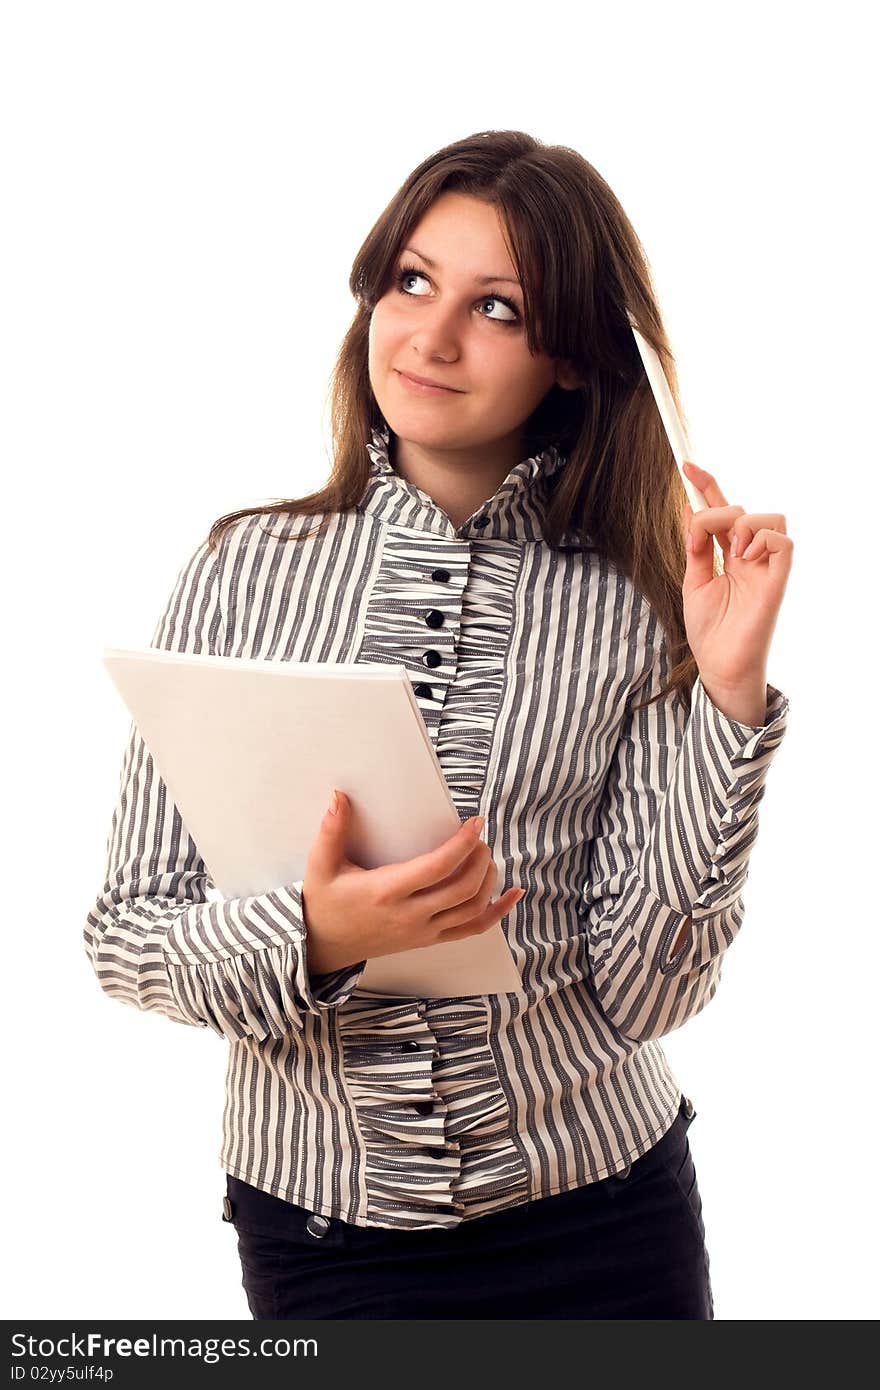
point(625, 1247)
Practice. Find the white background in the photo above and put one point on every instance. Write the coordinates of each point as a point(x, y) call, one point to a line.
point(185, 186)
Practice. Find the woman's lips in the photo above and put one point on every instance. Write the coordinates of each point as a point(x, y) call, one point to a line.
point(418, 389)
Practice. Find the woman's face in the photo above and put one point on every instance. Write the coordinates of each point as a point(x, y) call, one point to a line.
point(458, 321)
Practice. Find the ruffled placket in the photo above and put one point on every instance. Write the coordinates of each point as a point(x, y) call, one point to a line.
point(433, 1116)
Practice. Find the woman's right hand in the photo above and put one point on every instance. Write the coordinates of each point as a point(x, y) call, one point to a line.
point(353, 914)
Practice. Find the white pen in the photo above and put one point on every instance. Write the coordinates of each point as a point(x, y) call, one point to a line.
point(675, 430)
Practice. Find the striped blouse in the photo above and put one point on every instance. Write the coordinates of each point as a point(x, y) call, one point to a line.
point(412, 1113)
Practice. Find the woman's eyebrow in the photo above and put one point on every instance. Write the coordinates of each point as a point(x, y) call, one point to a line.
point(480, 279)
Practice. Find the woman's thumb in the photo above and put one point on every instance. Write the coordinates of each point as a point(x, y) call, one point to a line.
point(329, 845)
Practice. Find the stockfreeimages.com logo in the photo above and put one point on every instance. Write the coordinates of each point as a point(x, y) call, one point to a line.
point(95, 1346)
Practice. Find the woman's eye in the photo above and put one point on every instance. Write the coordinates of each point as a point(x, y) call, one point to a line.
point(502, 303)
point(410, 273)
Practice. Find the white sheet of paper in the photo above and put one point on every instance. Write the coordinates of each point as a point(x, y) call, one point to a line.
point(250, 751)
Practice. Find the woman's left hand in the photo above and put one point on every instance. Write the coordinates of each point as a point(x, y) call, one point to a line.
point(730, 618)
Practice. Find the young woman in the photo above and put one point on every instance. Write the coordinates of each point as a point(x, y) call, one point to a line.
point(504, 517)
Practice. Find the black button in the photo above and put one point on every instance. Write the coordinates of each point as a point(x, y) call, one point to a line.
point(227, 1209)
point(317, 1225)
point(432, 658)
point(424, 690)
point(240, 1018)
point(481, 522)
point(434, 618)
point(424, 1107)
point(440, 576)
point(410, 1046)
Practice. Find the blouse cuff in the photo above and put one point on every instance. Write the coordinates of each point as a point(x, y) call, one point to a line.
point(697, 851)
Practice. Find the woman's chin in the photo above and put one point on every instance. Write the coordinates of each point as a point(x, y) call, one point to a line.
point(416, 430)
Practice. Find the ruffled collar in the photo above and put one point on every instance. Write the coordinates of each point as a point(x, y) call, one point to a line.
point(513, 512)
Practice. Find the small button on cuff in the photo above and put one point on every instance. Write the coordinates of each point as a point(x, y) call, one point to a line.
point(317, 1225)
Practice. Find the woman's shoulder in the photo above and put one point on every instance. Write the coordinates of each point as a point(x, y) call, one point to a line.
point(256, 530)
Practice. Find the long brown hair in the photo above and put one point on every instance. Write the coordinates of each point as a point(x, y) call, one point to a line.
point(582, 267)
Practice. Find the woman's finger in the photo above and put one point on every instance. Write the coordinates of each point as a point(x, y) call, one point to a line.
point(768, 542)
point(747, 527)
point(706, 484)
point(715, 521)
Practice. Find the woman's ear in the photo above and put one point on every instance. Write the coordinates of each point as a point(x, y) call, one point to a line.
point(566, 376)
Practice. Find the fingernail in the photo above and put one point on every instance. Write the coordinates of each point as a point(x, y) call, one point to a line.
point(734, 546)
point(477, 824)
point(334, 804)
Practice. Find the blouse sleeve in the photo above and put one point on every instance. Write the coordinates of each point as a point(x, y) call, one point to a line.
point(670, 854)
point(154, 940)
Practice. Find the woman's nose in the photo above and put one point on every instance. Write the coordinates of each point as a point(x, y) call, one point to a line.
point(439, 331)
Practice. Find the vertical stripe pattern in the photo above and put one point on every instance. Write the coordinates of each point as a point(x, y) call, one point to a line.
point(621, 824)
